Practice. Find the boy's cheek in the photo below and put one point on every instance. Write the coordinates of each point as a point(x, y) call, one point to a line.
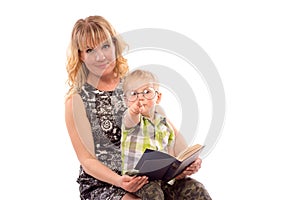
point(129, 103)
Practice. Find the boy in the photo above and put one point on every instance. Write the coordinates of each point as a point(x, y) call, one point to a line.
point(143, 127)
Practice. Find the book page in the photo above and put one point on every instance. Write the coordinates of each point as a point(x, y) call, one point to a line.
point(189, 151)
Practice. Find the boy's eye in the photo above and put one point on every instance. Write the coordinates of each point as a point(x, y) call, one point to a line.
point(146, 91)
point(133, 93)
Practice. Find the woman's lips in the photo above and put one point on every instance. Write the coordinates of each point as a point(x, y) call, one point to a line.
point(102, 65)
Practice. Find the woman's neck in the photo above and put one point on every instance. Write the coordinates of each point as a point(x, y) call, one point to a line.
point(104, 83)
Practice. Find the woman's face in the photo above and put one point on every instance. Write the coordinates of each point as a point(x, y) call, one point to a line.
point(100, 61)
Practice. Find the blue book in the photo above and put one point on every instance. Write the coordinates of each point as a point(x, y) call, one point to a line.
point(157, 165)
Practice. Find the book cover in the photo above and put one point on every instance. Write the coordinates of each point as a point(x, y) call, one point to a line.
point(158, 165)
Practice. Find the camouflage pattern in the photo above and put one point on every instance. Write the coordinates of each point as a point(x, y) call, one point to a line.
point(152, 190)
point(184, 189)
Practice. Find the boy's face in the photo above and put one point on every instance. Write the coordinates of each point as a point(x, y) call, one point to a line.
point(145, 97)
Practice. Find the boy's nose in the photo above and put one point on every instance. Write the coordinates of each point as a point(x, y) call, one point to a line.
point(141, 96)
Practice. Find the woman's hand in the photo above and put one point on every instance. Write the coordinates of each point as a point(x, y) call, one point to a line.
point(192, 169)
point(132, 183)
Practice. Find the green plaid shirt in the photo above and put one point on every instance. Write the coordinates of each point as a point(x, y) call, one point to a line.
point(134, 141)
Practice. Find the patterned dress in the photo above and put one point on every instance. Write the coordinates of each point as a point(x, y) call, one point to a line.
point(104, 110)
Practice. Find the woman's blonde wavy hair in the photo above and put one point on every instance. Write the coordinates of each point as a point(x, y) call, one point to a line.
point(88, 33)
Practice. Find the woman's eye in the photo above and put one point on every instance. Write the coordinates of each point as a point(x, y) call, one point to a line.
point(89, 51)
point(106, 46)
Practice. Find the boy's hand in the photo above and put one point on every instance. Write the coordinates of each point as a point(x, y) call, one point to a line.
point(192, 169)
point(136, 108)
point(132, 117)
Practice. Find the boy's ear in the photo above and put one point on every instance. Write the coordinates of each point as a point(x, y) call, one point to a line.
point(160, 110)
point(159, 94)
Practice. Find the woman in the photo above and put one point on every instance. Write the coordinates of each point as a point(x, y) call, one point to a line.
point(93, 111)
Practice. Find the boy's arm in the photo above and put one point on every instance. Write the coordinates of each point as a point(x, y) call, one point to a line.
point(180, 143)
point(132, 115)
point(171, 151)
point(130, 120)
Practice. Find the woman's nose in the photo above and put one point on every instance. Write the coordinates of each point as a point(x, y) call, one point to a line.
point(100, 55)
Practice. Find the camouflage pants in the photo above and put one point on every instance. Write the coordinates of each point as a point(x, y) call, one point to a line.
point(151, 191)
point(184, 189)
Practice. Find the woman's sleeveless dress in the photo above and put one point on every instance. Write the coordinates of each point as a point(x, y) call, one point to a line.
point(104, 110)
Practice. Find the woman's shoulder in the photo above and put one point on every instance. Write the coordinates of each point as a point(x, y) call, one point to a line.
point(72, 100)
point(72, 96)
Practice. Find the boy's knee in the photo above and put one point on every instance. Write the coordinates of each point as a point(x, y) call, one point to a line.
point(151, 191)
point(193, 189)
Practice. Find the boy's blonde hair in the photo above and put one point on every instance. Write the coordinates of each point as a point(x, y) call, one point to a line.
point(138, 78)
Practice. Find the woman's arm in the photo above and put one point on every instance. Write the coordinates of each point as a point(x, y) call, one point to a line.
point(81, 137)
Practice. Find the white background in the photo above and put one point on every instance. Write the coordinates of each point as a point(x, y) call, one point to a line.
point(255, 46)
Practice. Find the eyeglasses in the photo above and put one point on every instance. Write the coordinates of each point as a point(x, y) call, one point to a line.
point(148, 93)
